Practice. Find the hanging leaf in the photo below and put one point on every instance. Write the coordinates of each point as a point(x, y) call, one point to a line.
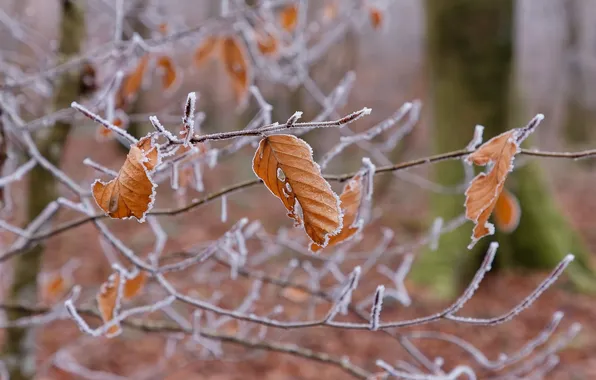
point(163, 28)
point(132, 192)
point(485, 188)
point(134, 285)
point(87, 79)
point(107, 301)
point(351, 199)
point(54, 287)
point(120, 120)
point(285, 164)
point(205, 50)
point(167, 69)
point(507, 212)
point(330, 12)
point(131, 84)
point(376, 17)
point(288, 17)
point(266, 43)
point(236, 66)
point(295, 295)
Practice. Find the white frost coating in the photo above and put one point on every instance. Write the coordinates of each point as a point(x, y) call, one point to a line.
point(376, 308)
point(288, 187)
point(224, 208)
point(477, 138)
point(281, 176)
point(18, 173)
point(212, 157)
point(175, 182)
point(370, 174)
point(435, 234)
point(100, 168)
point(405, 129)
point(198, 175)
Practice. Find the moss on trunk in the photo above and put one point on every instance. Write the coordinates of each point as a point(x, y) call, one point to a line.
point(20, 342)
point(470, 53)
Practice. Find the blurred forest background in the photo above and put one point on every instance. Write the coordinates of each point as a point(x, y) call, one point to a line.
point(491, 62)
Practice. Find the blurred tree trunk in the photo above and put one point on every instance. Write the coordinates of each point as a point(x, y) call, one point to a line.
point(580, 117)
point(470, 52)
point(43, 189)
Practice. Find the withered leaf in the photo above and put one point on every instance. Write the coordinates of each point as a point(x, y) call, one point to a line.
point(285, 164)
point(169, 73)
point(132, 192)
point(134, 285)
point(507, 212)
point(266, 42)
point(376, 17)
point(205, 50)
point(54, 287)
point(288, 18)
point(485, 188)
point(351, 199)
point(236, 66)
point(131, 84)
point(106, 302)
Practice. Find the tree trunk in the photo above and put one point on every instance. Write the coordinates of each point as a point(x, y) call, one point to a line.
point(20, 342)
point(470, 53)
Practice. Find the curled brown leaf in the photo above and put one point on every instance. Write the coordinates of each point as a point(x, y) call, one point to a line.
point(351, 199)
point(107, 298)
point(285, 164)
point(236, 66)
point(132, 192)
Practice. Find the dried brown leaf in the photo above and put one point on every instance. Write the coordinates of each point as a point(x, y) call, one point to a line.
point(507, 212)
point(106, 302)
point(295, 295)
point(133, 286)
point(205, 50)
point(237, 66)
point(485, 188)
point(169, 74)
point(351, 198)
point(131, 84)
point(132, 192)
point(285, 164)
point(288, 17)
point(376, 17)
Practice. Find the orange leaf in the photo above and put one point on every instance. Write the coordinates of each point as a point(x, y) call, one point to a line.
point(285, 164)
point(106, 302)
point(376, 17)
point(132, 192)
point(350, 198)
point(295, 295)
point(131, 84)
point(54, 287)
point(134, 285)
point(205, 50)
point(266, 43)
point(330, 12)
point(163, 28)
point(236, 66)
point(169, 75)
point(288, 17)
point(485, 188)
point(507, 212)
